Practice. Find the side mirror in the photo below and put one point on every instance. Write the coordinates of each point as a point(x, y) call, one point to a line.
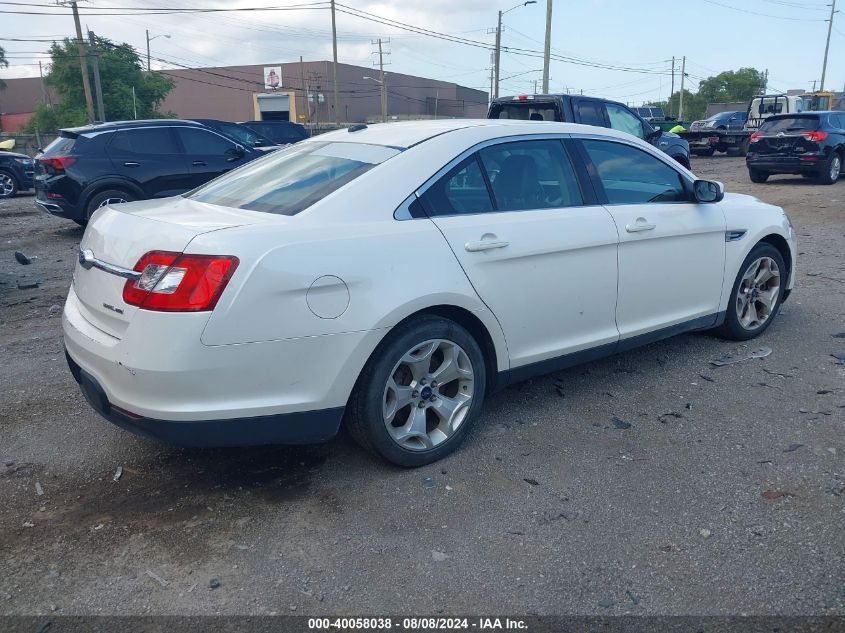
point(236, 152)
point(708, 191)
point(655, 133)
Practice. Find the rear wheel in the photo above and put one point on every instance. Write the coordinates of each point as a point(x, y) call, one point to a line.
point(757, 294)
point(8, 184)
point(420, 392)
point(830, 174)
point(704, 152)
point(105, 198)
point(758, 176)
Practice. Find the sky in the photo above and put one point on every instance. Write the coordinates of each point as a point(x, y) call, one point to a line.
point(618, 49)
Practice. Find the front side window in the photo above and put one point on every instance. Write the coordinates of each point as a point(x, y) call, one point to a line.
point(203, 143)
point(289, 181)
point(531, 175)
point(462, 190)
point(624, 121)
point(632, 176)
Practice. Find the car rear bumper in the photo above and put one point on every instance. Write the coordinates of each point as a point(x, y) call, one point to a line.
point(307, 427)
point(785, 164)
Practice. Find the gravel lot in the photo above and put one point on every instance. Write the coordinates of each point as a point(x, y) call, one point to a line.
point(725, 495)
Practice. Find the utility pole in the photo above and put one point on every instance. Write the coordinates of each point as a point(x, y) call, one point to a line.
point(382, 80)
point(547, 50)
point(334, 64)
point(304, 89)
point(672, 91)
point(498, 54)
point(83, 63)
point(492, 79)
point(827, 45)
point(681, 102)
point(98, 86)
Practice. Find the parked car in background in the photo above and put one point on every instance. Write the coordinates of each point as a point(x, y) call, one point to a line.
point(722, 121)
point(240, 132)
point(589, 111)
point(16, 172)
point(280, 132)
point(721, 132)
point(92, 166)
point(809, 144)
point(286, 296)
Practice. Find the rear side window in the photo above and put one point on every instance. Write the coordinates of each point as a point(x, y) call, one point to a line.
point(289, 181)
point(531, 175)
point(790, 124)
point(632, 176)
point(143, 141)
point(590, 112)
point(461, 191)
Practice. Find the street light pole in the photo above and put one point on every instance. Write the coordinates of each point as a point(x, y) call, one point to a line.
point(149, 39)
point(498, 49)
point(827, 45)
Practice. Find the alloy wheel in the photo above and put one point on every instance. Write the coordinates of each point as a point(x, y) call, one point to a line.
point(109, 201)
point(835, 167)
point(758, 294)
point(428, 394)
point(7, 185)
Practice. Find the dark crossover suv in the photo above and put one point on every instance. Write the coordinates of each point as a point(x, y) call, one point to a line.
point(280, 132)
point(16, 172)
point(589, 111)
point(89, 167)
point(811, 144)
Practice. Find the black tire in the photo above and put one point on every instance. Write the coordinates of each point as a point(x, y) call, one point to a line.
point(99, 198)
point(758, 176)
point(364, 413)
point(704, 152)
point(8, 184)
point(832, 170)
point(732, 329)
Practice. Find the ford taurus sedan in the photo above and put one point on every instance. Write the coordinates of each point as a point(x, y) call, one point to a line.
point(392, 276)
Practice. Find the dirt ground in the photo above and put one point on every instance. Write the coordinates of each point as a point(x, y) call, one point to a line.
point(725, 495)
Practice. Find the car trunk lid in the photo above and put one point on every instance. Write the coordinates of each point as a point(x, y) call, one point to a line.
point(117, 237)
point(787, 136)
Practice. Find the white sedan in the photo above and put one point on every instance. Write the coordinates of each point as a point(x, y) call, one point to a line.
point(392, 276)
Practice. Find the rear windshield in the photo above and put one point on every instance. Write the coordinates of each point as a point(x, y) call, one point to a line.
point(524, 111)
point(241, 134)
point(62, 145)
point(790, 124)
point(291, 180)
point(279, 133)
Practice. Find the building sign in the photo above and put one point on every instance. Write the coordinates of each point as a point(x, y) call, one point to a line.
point(272, 77)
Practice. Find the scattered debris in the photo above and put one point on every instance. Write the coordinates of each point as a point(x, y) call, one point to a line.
point(118, 474)
point(606, 603)
point(38, 489)
point(792, 448)
point(730, 359)
point(663, 417)
point(192, 587)
point(840, 357)
point(214, 583)
point(428, 482)
point(823, 392)
point(688, 406)
point(23, 260)
point(438, 556)
point(621, 424)
point(704, 532)
point(449, 488)
point(532, 482)
point(707, 378)
point(98, 527)
point(634, 599)
point(54, 310)
point(838, 335)
point(28, 524)
point(777, 373)
point(30, 285)
point(771, 495)
point(157, 578)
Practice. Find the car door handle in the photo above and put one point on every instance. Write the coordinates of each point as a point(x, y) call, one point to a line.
point(484, 245)
point(132, 164)
point(199, 163)
point(641, 224)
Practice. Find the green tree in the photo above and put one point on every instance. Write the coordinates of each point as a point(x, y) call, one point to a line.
point(3, 64)
point(121, 70)
point(732, 85)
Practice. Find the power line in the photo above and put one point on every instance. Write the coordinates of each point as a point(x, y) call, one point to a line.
point(765, 15)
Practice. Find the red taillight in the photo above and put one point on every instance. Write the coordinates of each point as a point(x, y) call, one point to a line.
point(175, 282)
point(59, 163)
point(755, 137)
point(815, 136)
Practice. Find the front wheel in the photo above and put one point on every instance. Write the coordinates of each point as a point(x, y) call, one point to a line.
point(830, 174)
point(8, 184)
point(757, 294)
point(758, 176)
point(419, 393)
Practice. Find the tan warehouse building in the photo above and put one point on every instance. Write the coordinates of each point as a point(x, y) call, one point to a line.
point(298, 91)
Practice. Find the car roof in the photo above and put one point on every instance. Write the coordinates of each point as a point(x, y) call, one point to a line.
point(406, 134)
point(113, 125)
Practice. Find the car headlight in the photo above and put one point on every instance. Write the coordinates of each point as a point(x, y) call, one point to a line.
point(710, 124)
point(24, 161)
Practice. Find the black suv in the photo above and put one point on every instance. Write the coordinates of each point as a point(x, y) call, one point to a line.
point(89, 167)
point(15, 173)
point(589, 111)
point(811, 144)
point(280, 132)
